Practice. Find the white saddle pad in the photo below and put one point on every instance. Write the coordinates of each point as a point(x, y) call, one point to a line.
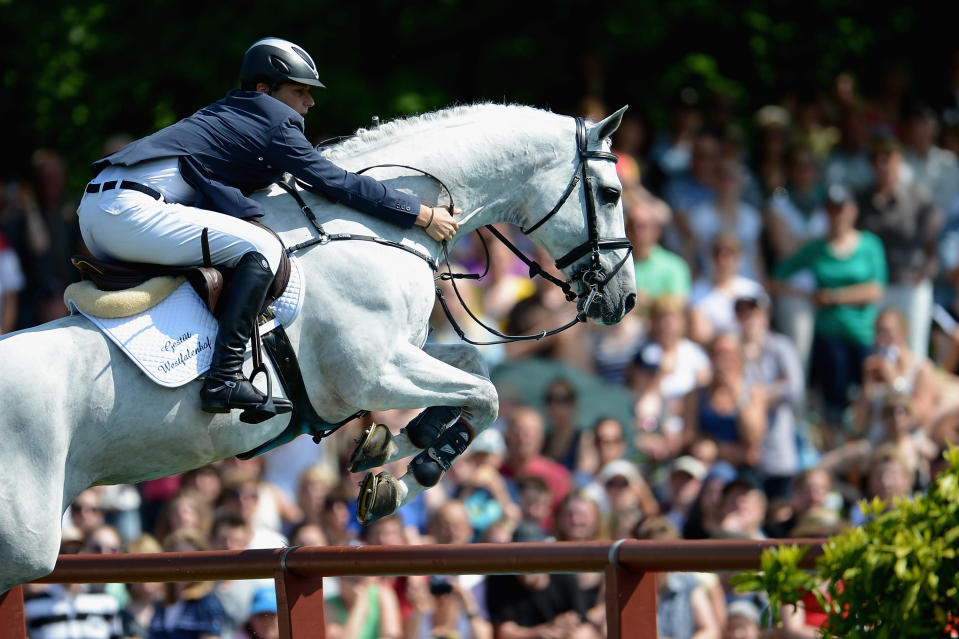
point(172, 343)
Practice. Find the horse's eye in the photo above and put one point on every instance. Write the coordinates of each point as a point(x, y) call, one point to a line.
point(610, 195)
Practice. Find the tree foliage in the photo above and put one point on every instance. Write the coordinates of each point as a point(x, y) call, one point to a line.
point(77, 71)
point(896, 576)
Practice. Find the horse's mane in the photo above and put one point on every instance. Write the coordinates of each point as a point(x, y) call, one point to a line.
point(390, 132)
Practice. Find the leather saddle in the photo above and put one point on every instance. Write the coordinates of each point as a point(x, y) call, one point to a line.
point(209, 281)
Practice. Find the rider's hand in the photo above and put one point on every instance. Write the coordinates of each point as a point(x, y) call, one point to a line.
point(438, 222)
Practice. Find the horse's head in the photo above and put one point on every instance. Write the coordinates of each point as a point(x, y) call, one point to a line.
point(584, 231)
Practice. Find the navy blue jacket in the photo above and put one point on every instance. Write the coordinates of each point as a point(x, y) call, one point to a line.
point(245, 142)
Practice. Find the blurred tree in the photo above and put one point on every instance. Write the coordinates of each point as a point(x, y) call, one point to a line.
point(77, 71)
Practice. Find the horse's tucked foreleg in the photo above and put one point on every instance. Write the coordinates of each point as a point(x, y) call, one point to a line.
point(378, 446)
point(461, 378)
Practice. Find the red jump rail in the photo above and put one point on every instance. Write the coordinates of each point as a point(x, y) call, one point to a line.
point(629, 565)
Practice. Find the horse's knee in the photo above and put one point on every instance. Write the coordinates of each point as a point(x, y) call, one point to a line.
point(485, 405)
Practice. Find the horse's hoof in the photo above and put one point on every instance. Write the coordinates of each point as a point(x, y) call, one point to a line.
point(372, 450)
point(377, 498)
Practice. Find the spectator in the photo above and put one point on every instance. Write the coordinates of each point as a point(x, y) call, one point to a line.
point(795, 217)
point(731, 409)
point(537, 605)
point(336, 520)
point(186, 510)
point(907, 222)
point(307, 534)
point(658, 271)
point(564, 434)
point(848, 162)
point(850, 271)
point(86, 512)
point(11, 283)
point(890, 475)
point(241, 495)
point(625, 490)
point(771, 360)
point(666, 368)
point(743, 508)
point(898, 427)
point(894, 367)
point(773, 124)
point(524, 446)
point(479, 485)
point(707, 511)
point(931, 167)
point(74, 611)
point(603, 443)
point(315, 485)
point(683, 609)
point(455, 603)
point(535, 501)
point(686, 475)
point(189, 610)
point(363, 609)
point(811, 491)
point(712, 298)
point(727, 214)
point(694, 186)
point(743, 620)
point(136, 616)
point(579, 518)
point(262, 622)
point(232, 532)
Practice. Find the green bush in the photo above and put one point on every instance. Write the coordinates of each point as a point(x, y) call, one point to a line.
point(896, 576)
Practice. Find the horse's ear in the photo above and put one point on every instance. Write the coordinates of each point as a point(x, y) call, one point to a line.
point(606, 128)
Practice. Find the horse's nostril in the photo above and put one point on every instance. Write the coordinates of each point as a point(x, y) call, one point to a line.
point(630, 302)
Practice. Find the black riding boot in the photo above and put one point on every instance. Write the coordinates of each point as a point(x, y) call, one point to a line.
point(226, 388)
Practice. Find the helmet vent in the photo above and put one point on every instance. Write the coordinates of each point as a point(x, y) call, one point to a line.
point(279, 64)
point(303, 54)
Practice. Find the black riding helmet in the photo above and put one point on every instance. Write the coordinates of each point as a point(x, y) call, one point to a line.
point(275, 61)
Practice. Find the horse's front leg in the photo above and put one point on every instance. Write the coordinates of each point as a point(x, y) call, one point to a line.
point(453, 381)
point(378, 446)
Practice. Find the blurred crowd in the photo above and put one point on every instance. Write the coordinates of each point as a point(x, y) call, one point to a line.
point(794, 349)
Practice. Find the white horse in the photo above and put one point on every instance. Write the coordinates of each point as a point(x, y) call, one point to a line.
point(76, 413)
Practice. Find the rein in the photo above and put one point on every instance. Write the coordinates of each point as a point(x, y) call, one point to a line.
point(593, 275)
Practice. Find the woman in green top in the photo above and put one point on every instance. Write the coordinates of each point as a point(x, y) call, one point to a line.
point(849, 267)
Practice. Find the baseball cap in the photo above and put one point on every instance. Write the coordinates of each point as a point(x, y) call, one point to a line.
point(757, 298)
point(721, 470)
point(488, 441)
point(689, 465)
point(264, 600)
point(619, 468)
point(838, 194)
point(529, 531)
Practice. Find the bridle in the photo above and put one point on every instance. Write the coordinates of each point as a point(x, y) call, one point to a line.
point(592, 274)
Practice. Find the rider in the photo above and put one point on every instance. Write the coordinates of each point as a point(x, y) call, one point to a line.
point(152, 200)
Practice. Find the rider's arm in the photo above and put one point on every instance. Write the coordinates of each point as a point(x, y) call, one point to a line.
point(290, 151)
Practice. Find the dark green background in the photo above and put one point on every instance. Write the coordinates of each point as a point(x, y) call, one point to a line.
point(75, 72)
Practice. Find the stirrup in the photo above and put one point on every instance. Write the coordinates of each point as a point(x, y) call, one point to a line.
point(372, 449)
point(270, 408)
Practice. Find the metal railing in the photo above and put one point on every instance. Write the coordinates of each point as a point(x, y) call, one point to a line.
point(630, 567)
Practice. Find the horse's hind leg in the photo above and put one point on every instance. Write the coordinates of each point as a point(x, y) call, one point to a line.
point(378, 446)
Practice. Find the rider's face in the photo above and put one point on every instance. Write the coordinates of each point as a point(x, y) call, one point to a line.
point(296, 96)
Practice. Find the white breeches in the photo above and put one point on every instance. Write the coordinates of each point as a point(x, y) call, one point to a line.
point(133, 227)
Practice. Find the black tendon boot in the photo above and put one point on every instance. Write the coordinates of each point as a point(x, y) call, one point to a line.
point(225, 387)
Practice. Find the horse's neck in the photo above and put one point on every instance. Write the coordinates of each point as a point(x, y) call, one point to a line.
point(486, 167)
